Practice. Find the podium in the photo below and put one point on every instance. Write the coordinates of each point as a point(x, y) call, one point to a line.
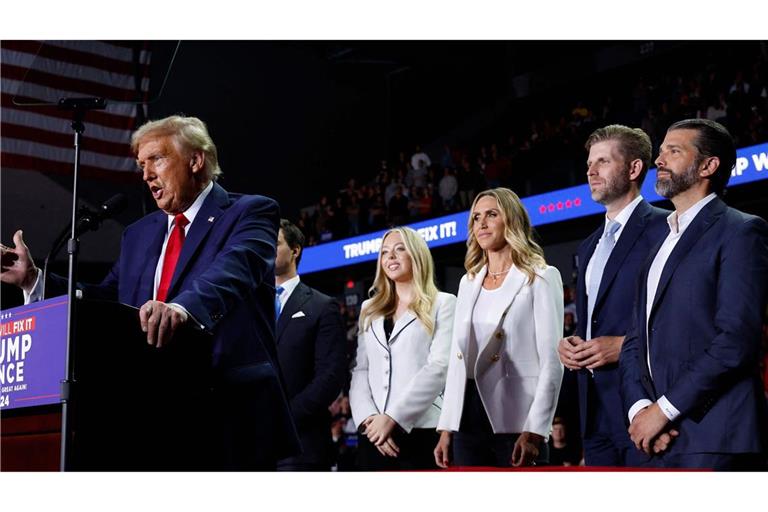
point(134, 406)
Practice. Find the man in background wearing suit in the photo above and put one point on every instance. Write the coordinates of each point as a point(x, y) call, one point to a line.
point(609, 260)
point(311, 347)
point(205, 258)
point(689, 365)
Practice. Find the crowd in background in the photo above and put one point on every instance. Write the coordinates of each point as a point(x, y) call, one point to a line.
point(540, 150)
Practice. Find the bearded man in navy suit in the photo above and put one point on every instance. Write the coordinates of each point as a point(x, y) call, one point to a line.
point(689, 365)
point(205, 259)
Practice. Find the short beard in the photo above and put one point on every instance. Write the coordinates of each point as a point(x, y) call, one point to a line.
point(678, 183)
point(615, 189)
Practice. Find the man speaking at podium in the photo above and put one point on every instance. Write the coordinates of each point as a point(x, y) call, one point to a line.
point(206, 259)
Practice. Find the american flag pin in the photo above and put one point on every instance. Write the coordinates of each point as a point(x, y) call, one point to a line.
point(210, 219)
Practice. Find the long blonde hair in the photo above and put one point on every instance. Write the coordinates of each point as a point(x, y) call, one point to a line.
point(383, 294)
point(527, 255)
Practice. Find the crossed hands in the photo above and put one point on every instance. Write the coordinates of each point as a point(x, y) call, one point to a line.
point(378, 428)
point(648, 432)
point(575, 353)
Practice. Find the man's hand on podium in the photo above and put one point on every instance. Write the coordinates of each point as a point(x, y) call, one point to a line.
point(18, 267)
point(160, 320)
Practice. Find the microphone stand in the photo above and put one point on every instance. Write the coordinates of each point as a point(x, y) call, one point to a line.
point(78, 106)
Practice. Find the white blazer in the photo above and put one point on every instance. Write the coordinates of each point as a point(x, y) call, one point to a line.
point(405, 377)
point(518, 372)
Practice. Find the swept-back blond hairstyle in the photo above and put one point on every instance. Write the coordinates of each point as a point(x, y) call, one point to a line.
point(383, 294)
point(526, 254)
point(189, 133)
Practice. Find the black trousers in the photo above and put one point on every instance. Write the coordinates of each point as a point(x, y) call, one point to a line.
point(475, 444)
point(416, 451)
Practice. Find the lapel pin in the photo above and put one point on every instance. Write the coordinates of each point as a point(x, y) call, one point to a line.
point(210, 219)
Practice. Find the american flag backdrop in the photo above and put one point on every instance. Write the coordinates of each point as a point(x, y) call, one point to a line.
point(40, 137)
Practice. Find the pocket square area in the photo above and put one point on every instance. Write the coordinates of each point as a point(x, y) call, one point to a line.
point(298, 314)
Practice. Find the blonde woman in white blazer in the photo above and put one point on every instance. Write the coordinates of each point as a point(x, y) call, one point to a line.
point(402, 358)
point(504, 373)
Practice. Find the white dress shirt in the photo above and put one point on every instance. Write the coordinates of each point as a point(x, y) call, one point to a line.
point(288, 288)
point(677, 226)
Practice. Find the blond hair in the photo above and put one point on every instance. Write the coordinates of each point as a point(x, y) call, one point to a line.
point(383, 294)
point(527, 255)
point(189, 133)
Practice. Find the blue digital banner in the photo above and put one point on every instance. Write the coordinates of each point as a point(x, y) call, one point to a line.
point(440, 231)
point(564, 204)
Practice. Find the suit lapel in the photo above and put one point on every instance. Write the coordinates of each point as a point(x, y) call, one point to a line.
point(377, 329)
point(476, 284)
point(204, 220)
point(629, 236)
point(404, 321)
point(700, 224)
point(300, 295)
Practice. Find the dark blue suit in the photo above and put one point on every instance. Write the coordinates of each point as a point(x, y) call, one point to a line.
point(312, 349)
point(704, 333)
point(606, 441)
point(224, 278)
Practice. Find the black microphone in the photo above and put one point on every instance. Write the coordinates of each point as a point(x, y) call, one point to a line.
point(88, 220)
point(91, 220)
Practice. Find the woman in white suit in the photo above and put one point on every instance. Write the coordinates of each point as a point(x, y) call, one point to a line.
point(402, 357)
point(504, 373)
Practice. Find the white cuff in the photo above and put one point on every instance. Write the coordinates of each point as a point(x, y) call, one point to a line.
point(181, 309)
point(36, 293)
point(667, 408)
point(637, 407)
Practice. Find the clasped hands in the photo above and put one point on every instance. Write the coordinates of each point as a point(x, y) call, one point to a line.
point(378, 428)
point(575, 353)
point(647, 430)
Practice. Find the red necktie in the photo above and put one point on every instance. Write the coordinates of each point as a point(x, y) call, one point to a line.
point(172, 251)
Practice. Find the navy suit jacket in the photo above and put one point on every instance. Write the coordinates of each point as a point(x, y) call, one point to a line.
point(312, 353)
point(704, 332)
point(224, 278)
point(612, 313)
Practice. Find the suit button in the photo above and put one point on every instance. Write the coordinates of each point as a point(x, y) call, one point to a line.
point(495, 357)
point(460, 356)
point(645, 378)
point(386, 357)
point(386, 387)
point(386, 372)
